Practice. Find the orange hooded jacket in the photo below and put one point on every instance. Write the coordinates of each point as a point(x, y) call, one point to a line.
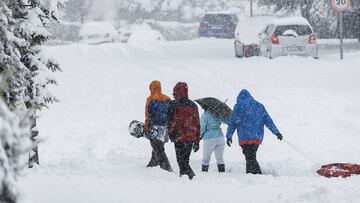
point(157, 104)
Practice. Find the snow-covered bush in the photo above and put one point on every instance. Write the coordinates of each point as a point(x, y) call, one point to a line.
point(142, 34)
point(173, 31)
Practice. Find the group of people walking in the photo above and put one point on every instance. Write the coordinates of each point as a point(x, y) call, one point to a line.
point(185, 129)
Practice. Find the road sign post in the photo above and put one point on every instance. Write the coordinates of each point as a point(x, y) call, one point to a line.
point(341, 30)
point(251, 8)
point(341, 6)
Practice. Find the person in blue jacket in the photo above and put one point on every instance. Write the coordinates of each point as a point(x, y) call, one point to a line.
point(213, 137)
point(249, 118)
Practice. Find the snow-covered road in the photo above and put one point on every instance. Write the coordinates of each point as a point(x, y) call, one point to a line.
point(88, 156)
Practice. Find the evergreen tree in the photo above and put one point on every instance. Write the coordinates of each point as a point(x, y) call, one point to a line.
point(290, 6)
point(324, 19)
point(14, 146)
point(25, 73)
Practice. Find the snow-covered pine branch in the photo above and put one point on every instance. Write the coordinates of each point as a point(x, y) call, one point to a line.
point(27, 69)
point(15, 145)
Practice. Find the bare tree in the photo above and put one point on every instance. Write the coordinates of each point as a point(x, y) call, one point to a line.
point(77, 10)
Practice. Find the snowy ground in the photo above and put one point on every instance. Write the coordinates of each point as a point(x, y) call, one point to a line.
point(88, 156)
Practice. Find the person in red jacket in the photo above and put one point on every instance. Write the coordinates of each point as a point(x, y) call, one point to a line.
point(184, 127)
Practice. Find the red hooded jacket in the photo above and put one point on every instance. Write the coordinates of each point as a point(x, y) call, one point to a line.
point(184, 123)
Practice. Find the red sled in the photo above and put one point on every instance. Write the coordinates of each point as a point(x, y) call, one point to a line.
point(343, 170)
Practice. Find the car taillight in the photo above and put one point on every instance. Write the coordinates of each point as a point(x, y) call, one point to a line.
point(275, 39)
point(231, 26)
point(312, 39)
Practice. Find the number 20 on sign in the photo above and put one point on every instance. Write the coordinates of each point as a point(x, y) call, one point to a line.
point(341, 5)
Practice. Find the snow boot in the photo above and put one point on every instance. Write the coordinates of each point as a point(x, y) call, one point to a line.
point(153, 161)
point(204, 168)
point(166, 165)
point(221, 168)
point(191, 174)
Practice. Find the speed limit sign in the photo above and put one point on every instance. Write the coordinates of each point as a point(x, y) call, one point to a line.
point(341, 5)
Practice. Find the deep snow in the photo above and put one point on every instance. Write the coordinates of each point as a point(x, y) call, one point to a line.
point(88, 155)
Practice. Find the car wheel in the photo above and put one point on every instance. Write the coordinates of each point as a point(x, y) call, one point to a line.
point(269, 54)
point(237, 54)
point(235, 49)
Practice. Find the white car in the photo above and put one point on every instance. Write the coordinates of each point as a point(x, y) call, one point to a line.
point(288, 36)
point(246, 34)
point(97, 33)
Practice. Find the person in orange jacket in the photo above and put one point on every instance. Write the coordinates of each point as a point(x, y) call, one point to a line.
point(156, 113)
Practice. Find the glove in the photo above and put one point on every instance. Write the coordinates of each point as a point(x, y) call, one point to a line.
point(196, 147)
point(279, 136)
point(229, 142)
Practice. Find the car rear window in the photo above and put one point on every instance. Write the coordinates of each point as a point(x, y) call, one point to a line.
point(217, 18)
point(299, 29)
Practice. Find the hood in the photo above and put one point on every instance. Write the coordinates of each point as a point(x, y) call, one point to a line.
point(155, 87)
point(180, 90)
point(244, 94)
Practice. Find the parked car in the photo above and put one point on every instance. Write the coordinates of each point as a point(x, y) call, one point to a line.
point(97, 33)
point(288, 36)
point(124, 35)
point(246, 43)
point(217, 24)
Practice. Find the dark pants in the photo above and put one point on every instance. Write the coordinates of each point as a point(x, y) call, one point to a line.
point(183, 151)
point(158, 156)
point(249, 151)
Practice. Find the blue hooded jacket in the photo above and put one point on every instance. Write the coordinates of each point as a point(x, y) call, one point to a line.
point(210, 126)
point(249, 117)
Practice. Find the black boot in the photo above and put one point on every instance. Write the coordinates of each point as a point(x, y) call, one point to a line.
point(191, 174)
point(153, 162)
point(204, 168)
point(221, 168)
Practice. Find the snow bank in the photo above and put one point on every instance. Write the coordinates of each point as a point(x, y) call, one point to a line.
point(97, 28)
point(142, 34)
point(174, 31)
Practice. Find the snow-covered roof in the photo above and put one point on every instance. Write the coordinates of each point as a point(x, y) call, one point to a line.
point(97, 28)
point(248, 29)
point(290, 20)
